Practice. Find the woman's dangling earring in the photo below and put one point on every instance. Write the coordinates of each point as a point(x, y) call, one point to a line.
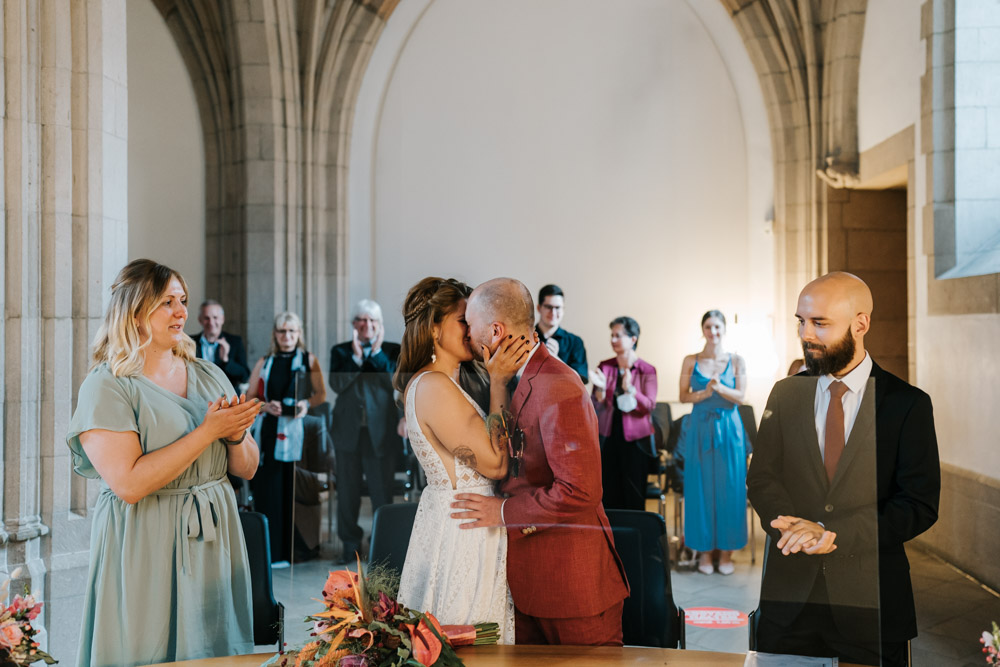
point(434, 358)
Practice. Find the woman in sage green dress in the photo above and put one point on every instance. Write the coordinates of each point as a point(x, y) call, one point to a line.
point(169, 578)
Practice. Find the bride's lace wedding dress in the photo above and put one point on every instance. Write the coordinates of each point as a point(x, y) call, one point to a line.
point(458, 575)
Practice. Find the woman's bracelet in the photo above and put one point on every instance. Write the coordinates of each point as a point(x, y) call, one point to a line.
point(233, 443)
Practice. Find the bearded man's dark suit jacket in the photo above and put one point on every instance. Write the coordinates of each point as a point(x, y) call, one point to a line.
point(787, 477)
point(236, 368)
point(364, 395)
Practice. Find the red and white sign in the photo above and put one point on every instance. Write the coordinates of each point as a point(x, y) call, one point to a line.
point(715, 617)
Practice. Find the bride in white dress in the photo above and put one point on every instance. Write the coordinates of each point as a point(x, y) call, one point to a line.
point(460, 576)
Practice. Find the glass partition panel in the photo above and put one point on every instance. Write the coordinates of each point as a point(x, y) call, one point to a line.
point(816, 493)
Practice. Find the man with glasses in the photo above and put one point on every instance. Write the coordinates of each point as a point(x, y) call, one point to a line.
point(366, 420)
point(561, 343)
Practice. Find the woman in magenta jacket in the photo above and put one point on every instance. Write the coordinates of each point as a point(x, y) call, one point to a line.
point(624, 396)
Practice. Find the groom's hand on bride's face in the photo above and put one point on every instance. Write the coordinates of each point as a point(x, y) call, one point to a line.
point(478, 511)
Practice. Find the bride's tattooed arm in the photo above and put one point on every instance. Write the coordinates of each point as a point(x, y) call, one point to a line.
point(466, 456)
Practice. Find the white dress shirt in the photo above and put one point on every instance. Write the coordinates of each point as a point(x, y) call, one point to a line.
point(208, 350)
point(520, 371)
point(856, 382)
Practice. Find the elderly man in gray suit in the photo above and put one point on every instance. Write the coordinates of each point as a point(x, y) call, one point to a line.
point(366, 421)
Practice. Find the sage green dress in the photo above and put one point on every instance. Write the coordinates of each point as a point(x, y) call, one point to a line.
point(169, 578)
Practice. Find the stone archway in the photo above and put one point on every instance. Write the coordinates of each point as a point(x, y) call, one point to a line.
point(277, 83)
point(806, 53)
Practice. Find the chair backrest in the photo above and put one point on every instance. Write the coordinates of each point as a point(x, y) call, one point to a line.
point(753, 618)
point(391, 528)
point(268, 614)
point(650, 617)
point(749, 423)
point(675, 434)
point(662, 423)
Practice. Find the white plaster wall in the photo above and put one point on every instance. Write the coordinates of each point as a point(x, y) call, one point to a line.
point(166, 155)
point(598, 144)
point(892, 60)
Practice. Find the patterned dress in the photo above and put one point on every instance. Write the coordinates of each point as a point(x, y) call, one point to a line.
point(458, 575)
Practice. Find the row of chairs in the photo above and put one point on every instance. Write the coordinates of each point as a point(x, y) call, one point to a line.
point(650, 616)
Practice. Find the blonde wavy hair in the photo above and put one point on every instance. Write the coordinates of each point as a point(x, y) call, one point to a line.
point(124, 334)
point(286, 317)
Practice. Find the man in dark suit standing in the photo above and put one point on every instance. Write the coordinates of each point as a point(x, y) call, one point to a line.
point(827, 441)
point(366, 421)
point(222, 348)
point(561, 343)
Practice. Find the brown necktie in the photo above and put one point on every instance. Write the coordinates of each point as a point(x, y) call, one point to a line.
point(834, 442)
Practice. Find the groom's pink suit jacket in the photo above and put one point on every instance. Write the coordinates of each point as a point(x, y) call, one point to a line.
point(561, 558)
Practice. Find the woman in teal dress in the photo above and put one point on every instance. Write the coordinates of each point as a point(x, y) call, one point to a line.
point(169, 578)
point(713, 444)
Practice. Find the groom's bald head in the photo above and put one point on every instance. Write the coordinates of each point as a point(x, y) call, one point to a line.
point(505, 300)
point(498, 308)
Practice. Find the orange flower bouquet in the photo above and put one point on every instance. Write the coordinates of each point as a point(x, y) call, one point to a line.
point(17, 636)
point(363, 625)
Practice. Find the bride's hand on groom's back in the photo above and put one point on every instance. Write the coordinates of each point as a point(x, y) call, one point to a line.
point(509, 357)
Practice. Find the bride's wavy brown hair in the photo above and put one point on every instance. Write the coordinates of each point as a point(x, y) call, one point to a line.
point(427, 303)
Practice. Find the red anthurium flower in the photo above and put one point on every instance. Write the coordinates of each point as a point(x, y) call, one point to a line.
point(426, 645)
point(360, 633)
point(339, 588)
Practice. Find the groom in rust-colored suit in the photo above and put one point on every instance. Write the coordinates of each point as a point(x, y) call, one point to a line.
point(565, 577)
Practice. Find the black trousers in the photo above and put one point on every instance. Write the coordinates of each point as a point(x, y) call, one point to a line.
point(379, 472)
point(272, 489)
point(624, 471)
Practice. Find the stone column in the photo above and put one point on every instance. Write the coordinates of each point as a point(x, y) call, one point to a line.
point(64, 238)
point(276, 82)
point(806, 53)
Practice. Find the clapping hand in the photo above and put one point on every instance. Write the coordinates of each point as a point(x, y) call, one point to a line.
point(356, 347)
point(627, 380)
point(377, 341)
point(628, 359)
point(553, 346)
point(228, 419)
point(714, 384)
point(600, 383)
point(223, 350)
point(598, 379)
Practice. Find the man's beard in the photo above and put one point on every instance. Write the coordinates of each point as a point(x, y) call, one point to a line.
point(477, 349)
point(834, 358)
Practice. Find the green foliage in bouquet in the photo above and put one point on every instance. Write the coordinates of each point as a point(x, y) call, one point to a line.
point(363, 625)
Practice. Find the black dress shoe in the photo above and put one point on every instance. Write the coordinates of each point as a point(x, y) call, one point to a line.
point(305, 555)
point(347, 555)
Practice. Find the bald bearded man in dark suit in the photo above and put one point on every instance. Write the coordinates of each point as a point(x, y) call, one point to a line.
point(846, 460)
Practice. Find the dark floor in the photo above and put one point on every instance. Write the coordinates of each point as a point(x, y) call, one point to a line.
point(953, 610)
